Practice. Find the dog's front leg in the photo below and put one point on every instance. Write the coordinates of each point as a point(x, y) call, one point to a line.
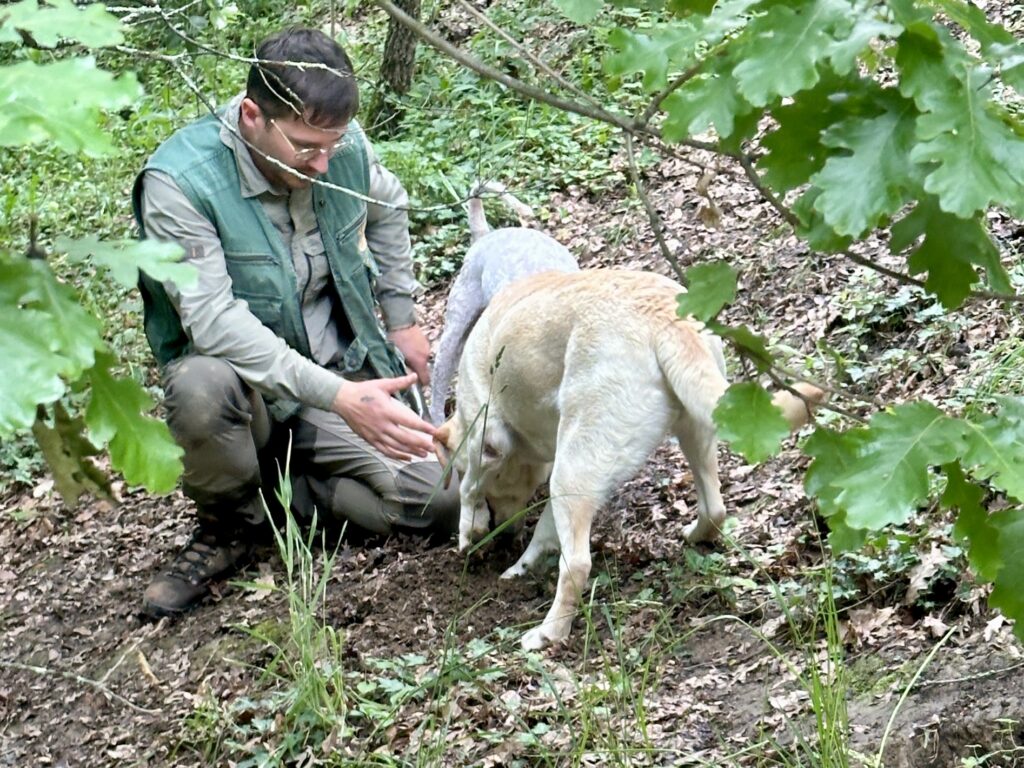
point(474, 514)
point(572, 521)
point(474, 519)
point(543, 541)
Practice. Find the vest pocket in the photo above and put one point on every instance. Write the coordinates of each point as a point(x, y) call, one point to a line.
point(355, 357)
point(352, 242)
point(253, 279)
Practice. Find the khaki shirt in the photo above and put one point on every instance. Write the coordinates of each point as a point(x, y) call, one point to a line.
point(222, 326)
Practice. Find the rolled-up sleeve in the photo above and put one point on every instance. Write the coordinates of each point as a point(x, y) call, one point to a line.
point(217, 323)
point(387, 235)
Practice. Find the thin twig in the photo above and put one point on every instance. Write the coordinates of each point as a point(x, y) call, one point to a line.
point(773, 374)
point(748, 168)
point(679, 82)
point(652, 213)
point(78, 679)
point(969, 678)
point(864, 261)
point(527, 54)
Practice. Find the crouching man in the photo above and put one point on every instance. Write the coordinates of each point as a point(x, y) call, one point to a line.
point(279, 338)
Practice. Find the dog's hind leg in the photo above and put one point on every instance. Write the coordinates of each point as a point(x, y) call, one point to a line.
point(697, 439)
point(589, 466)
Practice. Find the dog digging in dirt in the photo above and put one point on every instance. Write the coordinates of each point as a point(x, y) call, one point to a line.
point(495, 259)
point(576, 378)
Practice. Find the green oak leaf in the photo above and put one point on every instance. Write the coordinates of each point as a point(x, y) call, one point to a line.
point(794, 149)
point(710, 287)
point(686, 7)
point(752, 346)
point(995, 447)
point(700, 103)
point(973, 525)
point(124, 258)
point(59, 104)
point(43, 327)
point(857, 34)
point(949, 249)
point(748, 420)
point(834, 453)
point(57, 20)
point(843, 538)
point(39, 380)
point(912, 15)
point(744, 129)
point(976, 157)
point(785, 46)
point(889, 476)
point(874, 177)
point(651, 53)
point(141, 447)
point(580, 11)
point(74, 333)
point(998, 45)
point(813, 227)
point(1008, 591)
point(673, 46)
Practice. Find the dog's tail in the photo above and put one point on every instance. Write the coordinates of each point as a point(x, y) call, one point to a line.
point(693, 364)
point(478, 226)
point(694, 370)
point(799, 408)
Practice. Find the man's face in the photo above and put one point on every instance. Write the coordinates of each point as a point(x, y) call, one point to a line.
point(292, 142)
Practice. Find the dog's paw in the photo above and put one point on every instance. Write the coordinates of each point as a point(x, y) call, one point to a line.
point(701, 530)
point(517, 571)
point(535, 640)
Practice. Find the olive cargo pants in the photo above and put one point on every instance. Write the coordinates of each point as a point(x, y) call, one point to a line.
point(233, 448)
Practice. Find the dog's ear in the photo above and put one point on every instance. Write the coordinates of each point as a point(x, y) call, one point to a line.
point(443, 451)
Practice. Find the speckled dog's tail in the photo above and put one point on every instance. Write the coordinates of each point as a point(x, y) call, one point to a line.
point(478, 226)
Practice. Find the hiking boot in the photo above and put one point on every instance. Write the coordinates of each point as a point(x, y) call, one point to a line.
point(207, 557)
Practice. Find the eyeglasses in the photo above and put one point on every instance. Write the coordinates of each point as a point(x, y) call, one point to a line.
point(306, 154)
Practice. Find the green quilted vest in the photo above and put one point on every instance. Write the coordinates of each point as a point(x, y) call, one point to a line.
point(260, 266)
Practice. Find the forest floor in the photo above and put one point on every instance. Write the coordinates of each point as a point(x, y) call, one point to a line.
point(685, 657)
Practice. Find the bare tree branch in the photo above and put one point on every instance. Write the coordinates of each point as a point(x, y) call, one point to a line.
point(652, 213)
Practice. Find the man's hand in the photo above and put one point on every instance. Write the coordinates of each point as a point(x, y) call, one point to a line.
point(384, 422)
point(415, 349)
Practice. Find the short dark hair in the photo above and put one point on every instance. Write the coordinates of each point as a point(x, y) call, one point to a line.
point(320, 96)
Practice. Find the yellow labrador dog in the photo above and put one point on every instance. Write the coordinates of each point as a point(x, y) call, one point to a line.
point(578, 377)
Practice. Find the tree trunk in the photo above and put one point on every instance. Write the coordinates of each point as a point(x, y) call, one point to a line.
point(396, 72)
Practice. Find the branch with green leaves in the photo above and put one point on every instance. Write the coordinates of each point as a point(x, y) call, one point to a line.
point(788, 91)
point(58, 345)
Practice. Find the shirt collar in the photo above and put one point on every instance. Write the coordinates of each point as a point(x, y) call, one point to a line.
point(251, 181)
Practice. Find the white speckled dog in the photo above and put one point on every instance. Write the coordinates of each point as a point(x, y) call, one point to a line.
point(495, 259)
point(580, 376)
